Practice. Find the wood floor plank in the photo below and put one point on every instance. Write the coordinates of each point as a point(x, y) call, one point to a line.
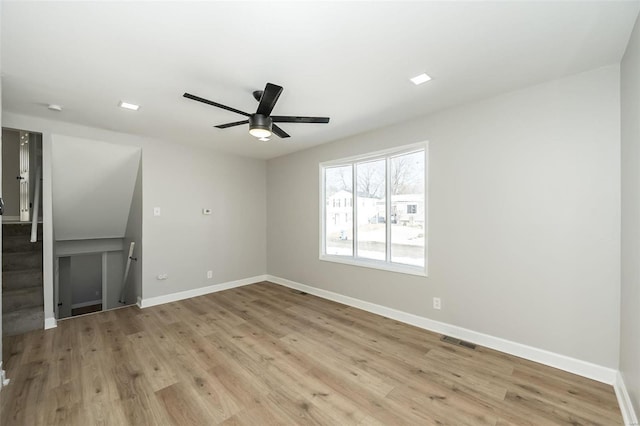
point(181, 407)
point(268, 355)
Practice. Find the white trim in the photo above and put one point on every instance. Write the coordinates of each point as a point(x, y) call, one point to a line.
point(104, 281)
point(173, 297)
point(88, 303)
point(321, 203)
point(50, 323)
point(3, 377)
point(375, 264)
point(139, 302)
point(563, 362)
point(387, 264)
point(394, 151)
point(47, 233)
point(624, 401)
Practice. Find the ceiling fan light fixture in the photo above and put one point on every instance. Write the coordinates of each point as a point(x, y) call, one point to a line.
point(260, 126)
point(259, 132)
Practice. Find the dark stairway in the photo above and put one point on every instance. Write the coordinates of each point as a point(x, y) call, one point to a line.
point(22, 300)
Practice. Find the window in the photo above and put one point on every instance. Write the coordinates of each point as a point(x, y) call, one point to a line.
point(385, 226)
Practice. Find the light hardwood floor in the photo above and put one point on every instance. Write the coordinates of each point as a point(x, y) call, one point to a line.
point(264, 354)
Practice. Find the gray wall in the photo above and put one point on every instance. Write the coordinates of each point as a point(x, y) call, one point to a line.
point(10, 169)
point(183, 242)
point(630, 290)
point(86, 278)
point(524, 218)
point(182, 180)
point(93, 184)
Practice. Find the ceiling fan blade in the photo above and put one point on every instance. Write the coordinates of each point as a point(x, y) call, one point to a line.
point(236, 123)
point(269, 98)
point(215, 104)
point(279, 132)
point(291, 119)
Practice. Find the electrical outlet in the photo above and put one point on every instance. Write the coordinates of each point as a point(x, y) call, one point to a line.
point(162, 276)
point(209, 274)
point(156, 211)
point(436, 303)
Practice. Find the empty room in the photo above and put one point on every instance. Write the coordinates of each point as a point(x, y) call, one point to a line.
point(329, 213)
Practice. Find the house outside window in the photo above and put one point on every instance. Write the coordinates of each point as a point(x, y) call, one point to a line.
point(386, 226)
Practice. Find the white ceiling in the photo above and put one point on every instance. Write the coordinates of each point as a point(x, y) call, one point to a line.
point(347, 60)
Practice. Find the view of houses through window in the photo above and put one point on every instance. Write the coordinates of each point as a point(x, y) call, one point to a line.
point(387, 220)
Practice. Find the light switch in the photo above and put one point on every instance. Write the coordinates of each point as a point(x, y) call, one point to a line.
point(206, 211)
point(156, 211)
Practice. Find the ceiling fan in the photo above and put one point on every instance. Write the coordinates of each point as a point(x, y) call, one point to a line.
point(262, 123)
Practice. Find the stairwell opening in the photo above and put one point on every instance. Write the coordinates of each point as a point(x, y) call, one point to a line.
point(96, 189)
point(22, 252)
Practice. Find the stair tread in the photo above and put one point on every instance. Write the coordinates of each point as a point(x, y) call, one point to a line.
point(19, 229)
point(19, 279)
point(34, 309)
point(19, 298)
point(34, 271)
point(25, 289)
point(23, 252)
point(19, 270)
point(22, 320)
point(21, 261)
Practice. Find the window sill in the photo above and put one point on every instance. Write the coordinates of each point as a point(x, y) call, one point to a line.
point(373, 264)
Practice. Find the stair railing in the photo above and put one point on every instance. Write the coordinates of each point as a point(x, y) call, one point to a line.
point(126, 273)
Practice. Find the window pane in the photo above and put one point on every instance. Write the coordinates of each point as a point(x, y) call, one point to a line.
point(338, 187)
point(408, 230)
point(372, 234)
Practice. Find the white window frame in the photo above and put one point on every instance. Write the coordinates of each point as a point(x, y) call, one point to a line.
point(386, 265)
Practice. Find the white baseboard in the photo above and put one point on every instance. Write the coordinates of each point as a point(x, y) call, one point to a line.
point(624, 401)
point(173, 297)
point(572, 365)
point(89, 303)
point(50, 323)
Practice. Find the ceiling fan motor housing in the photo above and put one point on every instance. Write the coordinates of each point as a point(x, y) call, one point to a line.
point(259, 122)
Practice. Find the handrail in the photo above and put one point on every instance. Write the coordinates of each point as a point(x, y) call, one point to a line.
point(126, 272)
point(36, 208)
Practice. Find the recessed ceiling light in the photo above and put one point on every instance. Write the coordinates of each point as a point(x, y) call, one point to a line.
point(419, 79)
point(127, 105)
point(54, 107)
